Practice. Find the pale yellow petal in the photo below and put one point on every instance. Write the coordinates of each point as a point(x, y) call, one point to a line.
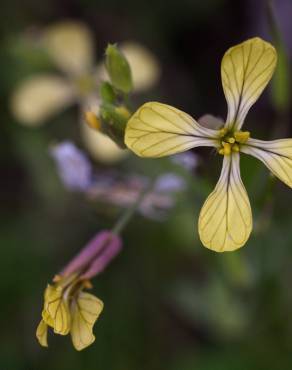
point(42, 333)
point(246, 69)
point(85, 311)
point(39, 98)
point(56, 310)
point(225, 221)
point(101, 147)
point(70, 45)
point(48, 319)
point(275, 154)
point(157, 130)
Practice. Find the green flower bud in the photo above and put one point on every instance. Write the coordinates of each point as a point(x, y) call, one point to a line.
point(114, 122)
point(118, 69)
point(107, 93)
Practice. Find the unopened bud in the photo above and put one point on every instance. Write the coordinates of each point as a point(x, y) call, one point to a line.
point(104, 243)
point(107, 93)
point(123, 111)
point(118, 69)
point(114, 122)
point(111, 249)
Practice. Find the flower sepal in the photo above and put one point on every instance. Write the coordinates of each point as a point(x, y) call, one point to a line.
point(118, 69)
point(114, 121)
point(107, 93)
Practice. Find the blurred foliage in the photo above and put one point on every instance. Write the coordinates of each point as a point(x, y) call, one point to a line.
point(169, 302)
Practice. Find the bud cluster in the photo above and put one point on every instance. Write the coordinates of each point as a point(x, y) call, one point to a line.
point(113, 112)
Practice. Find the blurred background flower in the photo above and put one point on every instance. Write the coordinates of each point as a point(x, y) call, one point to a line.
point(73, 166)
point(110, 187)
point(70, 46)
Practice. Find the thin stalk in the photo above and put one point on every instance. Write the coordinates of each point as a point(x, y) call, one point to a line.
point(129, 213)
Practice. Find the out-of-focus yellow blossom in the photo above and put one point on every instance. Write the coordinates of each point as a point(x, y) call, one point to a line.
point(144, 66)
point(40, 97)
point(70, 46)
point(157, 130)
point(68, 309)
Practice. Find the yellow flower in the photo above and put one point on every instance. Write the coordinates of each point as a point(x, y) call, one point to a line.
point(70, 46)
point(156, 130)
point(67, 309)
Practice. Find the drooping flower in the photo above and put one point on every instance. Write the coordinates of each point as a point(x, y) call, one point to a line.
point(67, 308)
point(157, 130)
point(70, 46)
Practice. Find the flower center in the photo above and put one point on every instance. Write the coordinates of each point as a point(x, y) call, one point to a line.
point(84, 84)
point(230, 141)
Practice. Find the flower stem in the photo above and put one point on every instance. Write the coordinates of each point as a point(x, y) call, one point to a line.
point(129, 213)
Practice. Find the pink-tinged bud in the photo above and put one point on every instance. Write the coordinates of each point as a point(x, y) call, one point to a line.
point(104, 243)
point(112, 248)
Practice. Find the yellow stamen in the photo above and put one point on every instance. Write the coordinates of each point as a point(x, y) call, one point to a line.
point(221, 151)
point(235, 148)
point(226, 148)
point(241, 136)
point(92, 120)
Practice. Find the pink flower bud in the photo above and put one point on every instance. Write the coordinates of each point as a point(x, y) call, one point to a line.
point(113, 247)
point(104, 246)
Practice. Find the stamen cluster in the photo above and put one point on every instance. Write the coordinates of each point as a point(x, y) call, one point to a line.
point(230, 141)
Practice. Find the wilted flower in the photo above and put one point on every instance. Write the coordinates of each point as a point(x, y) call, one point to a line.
point(74, 168)
point(157, 130)
point(70, 46)
point(67, 308)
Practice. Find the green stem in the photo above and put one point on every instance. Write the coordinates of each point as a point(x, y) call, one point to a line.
point(129, 213)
